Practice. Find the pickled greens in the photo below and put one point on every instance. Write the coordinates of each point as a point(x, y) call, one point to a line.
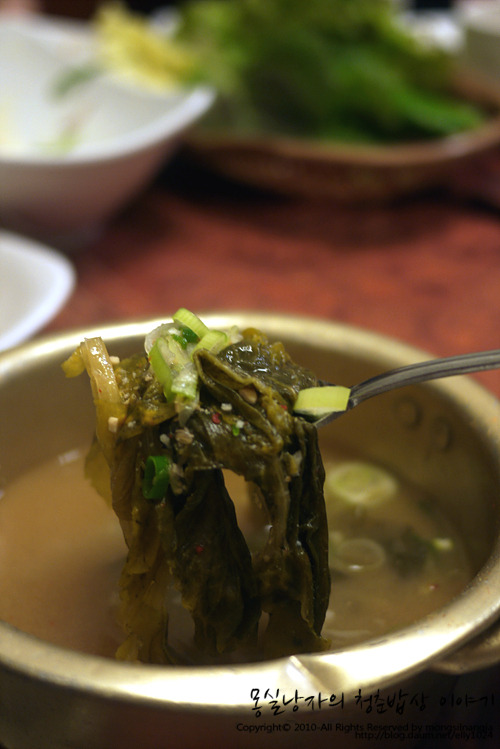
point(168, 451)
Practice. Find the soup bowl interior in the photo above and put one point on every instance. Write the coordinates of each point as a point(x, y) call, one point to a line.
point(443, 437)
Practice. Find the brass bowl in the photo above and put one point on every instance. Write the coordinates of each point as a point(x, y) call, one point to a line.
point(444, 436)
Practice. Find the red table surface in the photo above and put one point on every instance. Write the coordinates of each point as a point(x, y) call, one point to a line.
point(425, 269)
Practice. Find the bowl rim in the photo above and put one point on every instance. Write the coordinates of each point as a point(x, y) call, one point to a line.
point(409, 154)
point(191, 105)
point(35, 260)
point(382, 661)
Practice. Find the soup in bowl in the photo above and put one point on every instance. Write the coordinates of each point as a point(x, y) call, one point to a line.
point(412, 502)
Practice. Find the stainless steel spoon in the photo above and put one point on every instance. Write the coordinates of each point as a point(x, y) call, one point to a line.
point(411, 375)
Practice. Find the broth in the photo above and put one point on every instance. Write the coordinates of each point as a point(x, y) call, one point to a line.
point(394, 557)
point(61, 552)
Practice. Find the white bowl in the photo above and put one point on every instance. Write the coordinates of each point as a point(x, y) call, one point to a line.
point(120, 135)
point(35, 282)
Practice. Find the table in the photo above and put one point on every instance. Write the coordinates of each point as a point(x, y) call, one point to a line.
point(425, 269)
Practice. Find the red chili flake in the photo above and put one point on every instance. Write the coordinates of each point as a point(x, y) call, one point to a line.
point(284, 406)
point(216, 418)
point(199, 548)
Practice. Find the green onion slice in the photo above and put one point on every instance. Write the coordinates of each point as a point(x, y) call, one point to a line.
point(185, 383)
point(319, 401)
point(214, 341)
point(188, 319)
point(161, 368)
point(360, 483)
point(156, 477)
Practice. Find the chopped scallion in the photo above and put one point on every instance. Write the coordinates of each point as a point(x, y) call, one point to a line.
point(189, 320)
point(214, 341)
point(185, 383)
point(161, 368)
point(318, 401)
point(156, 477)
point(189, 335)
point(360, 484)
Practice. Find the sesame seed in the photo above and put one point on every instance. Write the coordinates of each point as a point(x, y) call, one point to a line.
point(113, 424)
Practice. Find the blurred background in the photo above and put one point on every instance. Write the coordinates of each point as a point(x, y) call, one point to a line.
point(403, 238)
point(399, 237)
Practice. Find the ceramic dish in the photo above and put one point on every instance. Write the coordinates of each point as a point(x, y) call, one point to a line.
point(67, 164)
point(35, 282)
